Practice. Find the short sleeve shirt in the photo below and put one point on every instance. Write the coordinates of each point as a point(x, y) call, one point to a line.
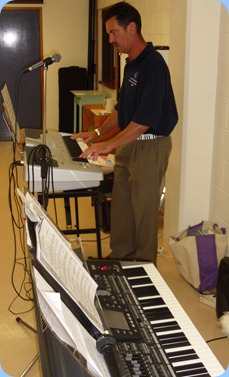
point(146, 96)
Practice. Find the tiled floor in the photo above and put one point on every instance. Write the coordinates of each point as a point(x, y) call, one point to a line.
point(18, 344)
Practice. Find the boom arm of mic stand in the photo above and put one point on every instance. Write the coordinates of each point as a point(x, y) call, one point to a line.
point(106, 345)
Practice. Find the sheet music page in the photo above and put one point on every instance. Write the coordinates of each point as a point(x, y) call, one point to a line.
point(35, 212)
point(56, 255)
point(50, 317)
point(8, 106)
point(67, 327)
point(67, 269)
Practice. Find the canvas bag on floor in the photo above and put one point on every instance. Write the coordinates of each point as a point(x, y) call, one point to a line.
point(198, 251)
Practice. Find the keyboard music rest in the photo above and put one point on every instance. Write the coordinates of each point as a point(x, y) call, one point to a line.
point(184, 346)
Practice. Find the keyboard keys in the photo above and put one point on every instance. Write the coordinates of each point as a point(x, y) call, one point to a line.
point(181, 355)
point(74, 149)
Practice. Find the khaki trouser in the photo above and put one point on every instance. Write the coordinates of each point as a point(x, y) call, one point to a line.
point(139, 169)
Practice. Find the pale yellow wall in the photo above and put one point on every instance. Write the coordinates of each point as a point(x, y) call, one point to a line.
point(155, 18)
point(65, 29)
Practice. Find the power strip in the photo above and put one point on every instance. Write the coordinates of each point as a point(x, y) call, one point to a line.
point(209, 300)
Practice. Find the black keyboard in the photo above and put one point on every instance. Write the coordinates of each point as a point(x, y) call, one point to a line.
point(153, 333)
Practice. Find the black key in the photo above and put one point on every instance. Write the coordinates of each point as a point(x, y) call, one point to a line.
point(138, 271)
point(197, 369)
point(159, 313)
point(177, 340)
point(175, 335)
point(146, 291)
point(79, 159)
point(140, 281)
point(179, 356)
point(152, 302)
point(165, 326)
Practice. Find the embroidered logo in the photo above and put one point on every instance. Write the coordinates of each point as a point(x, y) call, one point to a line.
point(133, 80)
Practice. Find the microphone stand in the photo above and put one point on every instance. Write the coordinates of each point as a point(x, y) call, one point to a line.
point(43, 153)
point(44, 110)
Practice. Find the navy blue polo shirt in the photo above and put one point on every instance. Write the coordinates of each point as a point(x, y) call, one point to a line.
point(146, 96)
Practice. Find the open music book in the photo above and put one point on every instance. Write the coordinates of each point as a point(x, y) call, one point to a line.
point(56, 256)
point(9, 116)
point(62, 321)
point(54, 252)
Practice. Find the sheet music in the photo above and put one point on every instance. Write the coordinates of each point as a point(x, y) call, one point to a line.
point(56, 255)
point(67, 327)
point(67, 269)
point(36, 212)
point(10, 114)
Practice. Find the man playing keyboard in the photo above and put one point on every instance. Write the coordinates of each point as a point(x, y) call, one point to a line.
point(146, 115)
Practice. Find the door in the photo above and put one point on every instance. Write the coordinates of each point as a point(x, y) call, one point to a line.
point(20, 47)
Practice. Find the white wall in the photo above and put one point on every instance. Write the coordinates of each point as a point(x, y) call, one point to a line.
point(219, 204)
point(199, 110)
point(178, 11)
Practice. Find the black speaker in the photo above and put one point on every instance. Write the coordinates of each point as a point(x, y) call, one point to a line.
point(70, 78)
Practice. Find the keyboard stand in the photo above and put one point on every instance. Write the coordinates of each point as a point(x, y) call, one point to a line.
point(66, 195)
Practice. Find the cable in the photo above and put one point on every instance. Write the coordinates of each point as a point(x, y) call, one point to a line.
point(15, 207)
point(18, 229)
point(44, 157)
point(41, 155)
point(220, 338)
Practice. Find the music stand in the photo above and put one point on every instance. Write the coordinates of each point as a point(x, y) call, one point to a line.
point(43, 161)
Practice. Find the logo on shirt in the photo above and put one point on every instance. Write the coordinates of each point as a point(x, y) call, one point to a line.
point(133, 80)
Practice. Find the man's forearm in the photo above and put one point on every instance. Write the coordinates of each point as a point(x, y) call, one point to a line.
point(109, 124)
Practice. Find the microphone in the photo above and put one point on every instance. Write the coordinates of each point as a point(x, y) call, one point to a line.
point(106, 345)
point(44, 63)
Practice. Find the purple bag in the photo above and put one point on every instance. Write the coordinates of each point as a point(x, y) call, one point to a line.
point(198, 251)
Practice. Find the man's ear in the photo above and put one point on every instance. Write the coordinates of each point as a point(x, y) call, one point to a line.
point(131, 27)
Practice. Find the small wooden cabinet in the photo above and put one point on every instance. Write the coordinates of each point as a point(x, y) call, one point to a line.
point(93, 117)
